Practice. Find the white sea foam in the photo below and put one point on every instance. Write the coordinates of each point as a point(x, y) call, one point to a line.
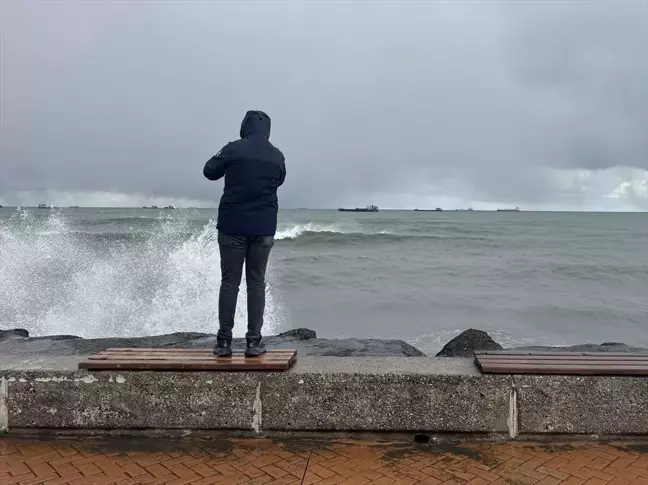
point(296, 230)
point(57, 281)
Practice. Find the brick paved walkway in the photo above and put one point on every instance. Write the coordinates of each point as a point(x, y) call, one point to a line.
point(152, 461)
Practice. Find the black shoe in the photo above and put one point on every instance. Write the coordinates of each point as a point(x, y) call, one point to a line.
point(223, 348)
point(255, 347)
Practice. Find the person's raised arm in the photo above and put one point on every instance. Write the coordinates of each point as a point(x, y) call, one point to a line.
point(216, 165)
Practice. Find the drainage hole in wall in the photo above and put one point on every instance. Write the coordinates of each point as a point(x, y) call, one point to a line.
point(421, 438)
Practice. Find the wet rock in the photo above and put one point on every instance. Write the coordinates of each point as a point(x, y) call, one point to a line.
point(605, 347)
point(299, 334)
point(472, 340)
point(304, 340)
point(18, 342)
point(464, 344)
point(14, 333)
point(57, 337)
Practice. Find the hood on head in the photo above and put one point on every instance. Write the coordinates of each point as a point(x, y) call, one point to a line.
point(255, 123)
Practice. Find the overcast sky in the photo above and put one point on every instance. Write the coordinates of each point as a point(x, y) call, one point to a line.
point(537, 104)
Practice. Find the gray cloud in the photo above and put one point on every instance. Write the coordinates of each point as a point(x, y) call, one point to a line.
point(587, 62)
point(406, 103)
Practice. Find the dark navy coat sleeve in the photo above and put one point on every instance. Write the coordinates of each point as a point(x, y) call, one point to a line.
point(216, 165)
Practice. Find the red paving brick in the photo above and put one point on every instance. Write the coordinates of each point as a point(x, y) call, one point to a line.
point(226, 462)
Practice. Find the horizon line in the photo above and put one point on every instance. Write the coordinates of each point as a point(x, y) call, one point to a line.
point(333, 209)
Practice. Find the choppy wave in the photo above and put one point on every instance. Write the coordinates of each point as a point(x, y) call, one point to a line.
point(332, 234)
point(54, 280)
point(323, 233)
point(297, 230)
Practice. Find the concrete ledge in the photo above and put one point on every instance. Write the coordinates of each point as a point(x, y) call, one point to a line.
point(582, 405)
point(386, 402)
point(364, 395)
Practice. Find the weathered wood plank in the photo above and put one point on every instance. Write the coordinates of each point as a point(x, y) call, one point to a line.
point(538, 354)
point(195, 359)
point(569, 357)
point(565, 363)
point(561, 370)
point(573, 363)
point(206, 356)
point(183, 366)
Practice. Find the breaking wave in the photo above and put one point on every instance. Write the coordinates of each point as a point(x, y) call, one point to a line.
point(328, 233)
point(349, 234)
point(332, 234)
point(293, 232)
point(56, 280)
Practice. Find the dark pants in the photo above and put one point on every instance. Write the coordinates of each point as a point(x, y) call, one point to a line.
point(234, 251)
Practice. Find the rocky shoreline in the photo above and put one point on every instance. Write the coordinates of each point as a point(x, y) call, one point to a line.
point(471, 340)
point(18, 342)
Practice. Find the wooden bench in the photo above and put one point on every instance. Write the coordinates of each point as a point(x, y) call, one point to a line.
point(566, 363)
point(187, 360)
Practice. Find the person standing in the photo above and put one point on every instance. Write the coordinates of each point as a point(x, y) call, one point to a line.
point(247, 222)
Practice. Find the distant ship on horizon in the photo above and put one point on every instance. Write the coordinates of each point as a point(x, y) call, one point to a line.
point(369, 208)
point(517, 209)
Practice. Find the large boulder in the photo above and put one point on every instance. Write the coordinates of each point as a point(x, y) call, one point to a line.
point(464, 344)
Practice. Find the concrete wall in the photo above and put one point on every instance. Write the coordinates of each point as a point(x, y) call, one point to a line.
point(321, 394)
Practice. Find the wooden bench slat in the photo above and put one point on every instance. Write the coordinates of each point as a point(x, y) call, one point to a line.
point(194, 359)
point(178, 366)
point(182, 351)
point(562, 370)
point(539, 354)
point(165, 365)
point(164, 359)
point(573, 363)
point(565, 363)
point(152, 349)
point(202, 356)
point(602, 358)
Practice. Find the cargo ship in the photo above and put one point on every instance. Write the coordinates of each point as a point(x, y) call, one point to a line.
point(517, 209)
point(369, 208)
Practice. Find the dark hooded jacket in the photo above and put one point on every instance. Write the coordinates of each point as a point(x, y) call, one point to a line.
point(253, 169)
